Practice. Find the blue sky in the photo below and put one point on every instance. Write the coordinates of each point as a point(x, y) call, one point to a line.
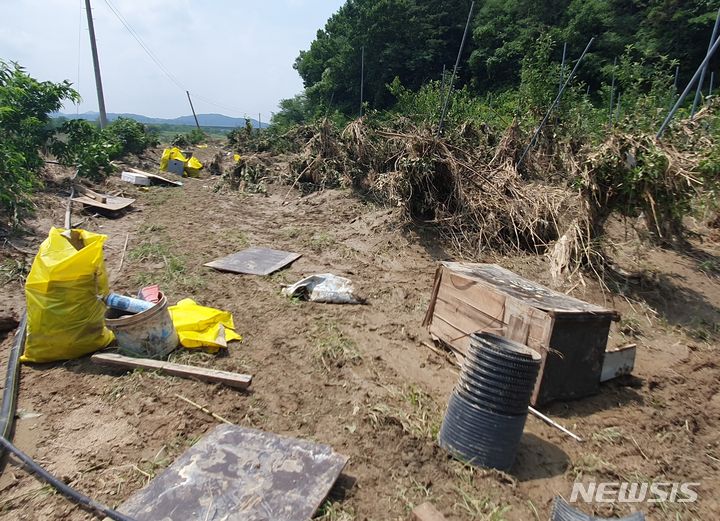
point(235, 57)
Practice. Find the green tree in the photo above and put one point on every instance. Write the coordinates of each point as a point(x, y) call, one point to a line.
point(25, 105)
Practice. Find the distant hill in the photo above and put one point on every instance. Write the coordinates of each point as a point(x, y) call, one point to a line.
point(205, 120)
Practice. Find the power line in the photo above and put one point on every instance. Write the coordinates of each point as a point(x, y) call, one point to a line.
point(159, 63)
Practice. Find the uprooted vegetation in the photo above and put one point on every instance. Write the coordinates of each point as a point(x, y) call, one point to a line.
point(469, 185)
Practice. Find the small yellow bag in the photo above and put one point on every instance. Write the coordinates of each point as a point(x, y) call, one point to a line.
point(64, 292)
point(200, 326)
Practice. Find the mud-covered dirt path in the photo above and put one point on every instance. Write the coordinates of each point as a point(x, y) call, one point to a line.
point(358, 377)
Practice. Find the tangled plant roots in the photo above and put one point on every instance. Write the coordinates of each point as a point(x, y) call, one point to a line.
point(467, 184)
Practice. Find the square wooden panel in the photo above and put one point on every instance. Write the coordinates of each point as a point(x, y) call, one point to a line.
point(240, 474)
point(254, 261)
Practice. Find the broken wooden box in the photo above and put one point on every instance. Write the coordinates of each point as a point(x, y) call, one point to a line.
point(571, 335)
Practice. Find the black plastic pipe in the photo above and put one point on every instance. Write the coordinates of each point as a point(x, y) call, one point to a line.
point(9, 399)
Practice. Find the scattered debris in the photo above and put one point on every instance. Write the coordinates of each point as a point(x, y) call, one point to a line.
point(149, 333)
point(255, 261)
point(173, 160)
point(553, 423)
point(102, 201)
point(324, 287)
point(571, 335)
point(204, 409)
point(150, 293)
point(238, 381)
point(135, 178)
point(153, 178)
point(240, 474)
point(201, 326)
point(618, 362)
point(426, 512)
point(564, 512)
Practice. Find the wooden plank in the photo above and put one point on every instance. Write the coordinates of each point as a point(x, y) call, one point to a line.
point(466, 318)
point(426, 512)
point(240, 381)
point(517, 329)
point(486, 298)
point(110, 203)
point(157, 177)
point(450, 335)
point(436, 287)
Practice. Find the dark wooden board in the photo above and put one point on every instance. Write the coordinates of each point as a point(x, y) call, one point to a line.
point(240, 474)
point(254, 261)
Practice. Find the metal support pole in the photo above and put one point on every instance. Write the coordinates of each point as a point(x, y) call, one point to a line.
point(704, 71)
point(96, 66)
point(712, 83)
point(193, 109)
point(562, 66)
point(443, 113)
point(689, 87)
point(362, 78)
point(617, 109)
point(612, 92)
point(557, 100)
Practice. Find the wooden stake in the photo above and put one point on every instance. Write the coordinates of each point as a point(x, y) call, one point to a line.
point(203, 409)
point(552, 423)
point(122, 257)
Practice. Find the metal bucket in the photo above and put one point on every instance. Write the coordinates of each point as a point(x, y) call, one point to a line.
point(149, 334)
point(486, 414)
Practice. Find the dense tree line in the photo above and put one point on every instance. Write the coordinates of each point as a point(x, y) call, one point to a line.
point(414, 39)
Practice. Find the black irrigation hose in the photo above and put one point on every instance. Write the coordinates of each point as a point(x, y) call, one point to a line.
point(61, 487)
point(9, 399)
point(7, 415)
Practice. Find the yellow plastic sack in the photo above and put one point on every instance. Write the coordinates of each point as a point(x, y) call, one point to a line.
point(192, 165)
point(64, 291)
point(200, 326)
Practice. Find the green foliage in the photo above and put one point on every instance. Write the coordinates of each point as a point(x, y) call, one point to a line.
point(194, 137)
point(132, 137)
point(413, 40)
point(24, 127)
point(82, 144)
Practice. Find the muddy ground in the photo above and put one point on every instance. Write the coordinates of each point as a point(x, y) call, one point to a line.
point(359, 377)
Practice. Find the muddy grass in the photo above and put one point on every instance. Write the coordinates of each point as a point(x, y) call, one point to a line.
point(358, 377)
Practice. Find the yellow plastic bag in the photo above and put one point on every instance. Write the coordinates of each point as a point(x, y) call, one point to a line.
point(64, 291)
point(192, 165)
point(200, 326)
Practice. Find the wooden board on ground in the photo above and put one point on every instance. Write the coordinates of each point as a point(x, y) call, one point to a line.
point(241, 381)
point(240, 474)
point(426, 512)
point(99, 200)
point(254, 261)
point(157, 178)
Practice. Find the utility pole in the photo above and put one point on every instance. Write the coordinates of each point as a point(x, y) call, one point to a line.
point(96, 66)
point(259, 121)
point(197, 124)
point(362, 78)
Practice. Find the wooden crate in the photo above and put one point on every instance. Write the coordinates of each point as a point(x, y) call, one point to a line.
point(571, 335)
